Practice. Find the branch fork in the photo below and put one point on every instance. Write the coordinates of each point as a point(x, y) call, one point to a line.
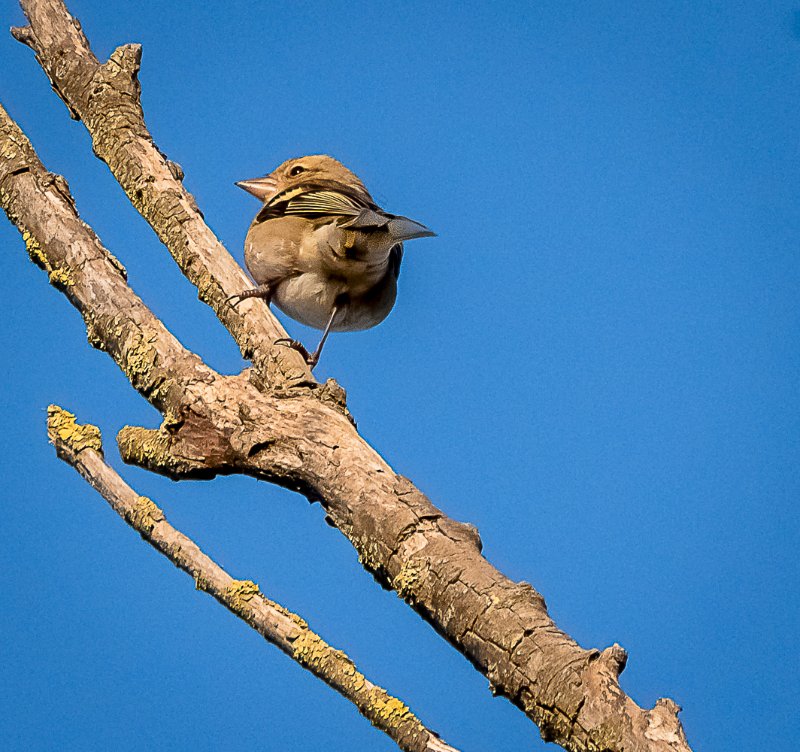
point(275, 422)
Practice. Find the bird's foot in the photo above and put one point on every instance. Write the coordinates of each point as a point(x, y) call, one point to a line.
point(262, 291)
point(310, 358)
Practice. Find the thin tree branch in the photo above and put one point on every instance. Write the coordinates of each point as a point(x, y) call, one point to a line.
point(106, 99)
point(80, 446)
point(219, 424)
point(215, 424)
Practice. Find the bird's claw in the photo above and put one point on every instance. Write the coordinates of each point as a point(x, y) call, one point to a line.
point(262, 291)
point(310, 358)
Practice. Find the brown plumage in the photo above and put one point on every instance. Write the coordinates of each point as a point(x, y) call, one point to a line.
point(321, 249)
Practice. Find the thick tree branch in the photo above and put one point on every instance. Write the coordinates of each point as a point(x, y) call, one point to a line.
point(173, 379)
point(80, 446)
point(40, 204)
point(215, 424)
point(106, 99)
point(219, 424)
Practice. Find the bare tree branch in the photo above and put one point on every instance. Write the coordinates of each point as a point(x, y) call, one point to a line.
point(219, 424)
point(117, 321)
point(106, 99)
point(80, 446)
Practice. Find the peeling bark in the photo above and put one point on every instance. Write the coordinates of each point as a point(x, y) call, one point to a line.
point(80, 446)
point(274, 423)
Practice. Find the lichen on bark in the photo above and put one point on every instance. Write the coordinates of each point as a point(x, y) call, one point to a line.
point(278, 424)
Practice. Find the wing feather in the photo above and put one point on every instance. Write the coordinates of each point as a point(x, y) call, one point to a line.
point(312, 202)
point(324, 202)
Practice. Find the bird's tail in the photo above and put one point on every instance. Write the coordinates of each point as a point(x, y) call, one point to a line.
point(403, 228)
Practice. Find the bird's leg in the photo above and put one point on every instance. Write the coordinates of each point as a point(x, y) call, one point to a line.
point(312, 358)
point(262, 291)
point(315, 355)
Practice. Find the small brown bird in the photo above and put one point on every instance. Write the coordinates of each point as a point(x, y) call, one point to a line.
point(322, 249)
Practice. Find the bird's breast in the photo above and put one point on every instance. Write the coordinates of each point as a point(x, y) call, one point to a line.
point(314, 265)
point(311, 297)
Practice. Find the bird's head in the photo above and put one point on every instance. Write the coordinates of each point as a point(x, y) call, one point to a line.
point(314, 171)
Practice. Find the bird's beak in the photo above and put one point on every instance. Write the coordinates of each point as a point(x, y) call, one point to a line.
point(262, 188)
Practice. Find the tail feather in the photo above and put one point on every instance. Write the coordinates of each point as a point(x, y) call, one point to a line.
point(403, 228)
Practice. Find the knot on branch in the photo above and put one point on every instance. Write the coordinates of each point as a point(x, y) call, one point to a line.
point(122, 68)
point(59, 184)
point(614, 658)
point(461, 532)
point(605, 666)
point(69, 437)
point(156, 450)
point(25, 35)
point(284, 373)
point(663, 724)
point(176, 170)
point(109, 100)
point(331, 393)
point(526, 593)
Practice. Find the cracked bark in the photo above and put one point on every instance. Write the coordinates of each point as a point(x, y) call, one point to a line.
point(80, 446)
point(274, 422)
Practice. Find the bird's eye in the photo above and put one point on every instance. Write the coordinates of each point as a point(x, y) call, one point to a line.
point(296, 170)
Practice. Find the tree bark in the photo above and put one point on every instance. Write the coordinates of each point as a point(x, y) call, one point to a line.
point(274, 422)
point(80, 446)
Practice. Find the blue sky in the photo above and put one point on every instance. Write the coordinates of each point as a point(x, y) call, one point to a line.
point(596, 362)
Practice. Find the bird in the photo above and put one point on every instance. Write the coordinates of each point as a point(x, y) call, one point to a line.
point(322, 250)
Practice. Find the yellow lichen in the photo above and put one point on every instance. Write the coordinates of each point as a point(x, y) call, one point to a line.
point(143, 446)
point(240, 592)
point(140, 359)
point(369, 553)
point(310, 649)
point(408, 578)
point(389, 710)
point(144, 515)
point(93, 333)
point(64, 431)
point(61, 278)
point(149, 448)
point(35, 250)
point(381, 708)
point(208, 288)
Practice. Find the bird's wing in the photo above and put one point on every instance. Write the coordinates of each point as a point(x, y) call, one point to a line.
point(353, 210)
point(323, 202)
point(312, 202)
point(366, 219)
point(399, 228)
